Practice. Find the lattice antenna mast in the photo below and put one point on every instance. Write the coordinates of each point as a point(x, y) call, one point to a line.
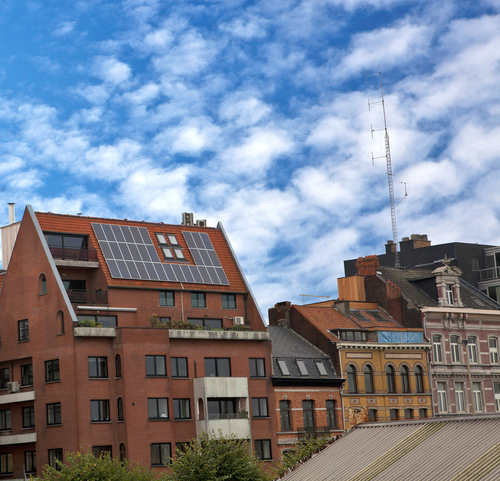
point(389, 167)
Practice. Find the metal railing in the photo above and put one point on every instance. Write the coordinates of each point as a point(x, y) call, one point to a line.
point(307, 432)
point(82, 296)
point(73, 254)
point(489, 274)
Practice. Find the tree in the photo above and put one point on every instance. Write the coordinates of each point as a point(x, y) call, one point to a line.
point(86, 467)
point(217, 458)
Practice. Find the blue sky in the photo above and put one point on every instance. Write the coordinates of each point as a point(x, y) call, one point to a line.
point(255, 114)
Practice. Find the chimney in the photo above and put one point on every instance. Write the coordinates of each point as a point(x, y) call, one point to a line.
point(367, 266)
point(420, 241)
point(343, 307)
point(390, 247)
point(12, 213)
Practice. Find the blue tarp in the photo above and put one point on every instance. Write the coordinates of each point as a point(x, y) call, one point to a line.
point(400, 336)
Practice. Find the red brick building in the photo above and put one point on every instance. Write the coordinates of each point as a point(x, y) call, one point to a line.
point(86, 358)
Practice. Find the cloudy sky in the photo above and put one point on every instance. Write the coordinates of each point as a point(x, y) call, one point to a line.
point(255, 113)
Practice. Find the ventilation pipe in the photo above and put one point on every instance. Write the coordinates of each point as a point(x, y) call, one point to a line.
point(12, 213)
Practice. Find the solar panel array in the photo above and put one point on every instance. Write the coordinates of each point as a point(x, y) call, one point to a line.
point(130, 254)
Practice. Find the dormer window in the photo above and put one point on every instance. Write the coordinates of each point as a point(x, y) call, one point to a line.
point(449, 294)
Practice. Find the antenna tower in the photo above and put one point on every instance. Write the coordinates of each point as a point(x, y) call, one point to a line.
point(389, 166)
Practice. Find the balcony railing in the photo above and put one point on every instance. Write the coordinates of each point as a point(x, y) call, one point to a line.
point(306, 432)
point(82, 296)
point(73, 254)
point(240, 415)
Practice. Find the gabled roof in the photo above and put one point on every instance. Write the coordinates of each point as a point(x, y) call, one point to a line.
point(289, 346)
point(454, 449)
point(69, 224)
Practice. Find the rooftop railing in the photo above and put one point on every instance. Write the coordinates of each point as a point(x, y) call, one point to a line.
point(489, 274)
point(73, 254)
point(82, 296)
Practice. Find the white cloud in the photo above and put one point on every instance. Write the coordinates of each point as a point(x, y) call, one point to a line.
point(247, 28)
point(64, 28)
point(111, 70)
point(244, 110)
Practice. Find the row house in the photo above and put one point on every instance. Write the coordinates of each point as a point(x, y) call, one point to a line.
point(126, 337)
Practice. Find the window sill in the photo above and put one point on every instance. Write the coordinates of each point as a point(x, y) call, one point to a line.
point(158, 419)
point(149, 376)
point(100, 422)
point(183, 419)
point(181, 377)
point(99, 378)
point(53, 425)
point(24, 340)
point(28, 429)
point(261, 417)
point(52, 382)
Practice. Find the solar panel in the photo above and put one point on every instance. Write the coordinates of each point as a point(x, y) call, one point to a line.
point(130, 254)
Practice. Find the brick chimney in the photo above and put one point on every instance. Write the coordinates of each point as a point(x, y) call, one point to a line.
point(367, 266)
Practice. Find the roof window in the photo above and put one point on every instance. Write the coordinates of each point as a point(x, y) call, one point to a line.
point(283, 367)
point(302, 367)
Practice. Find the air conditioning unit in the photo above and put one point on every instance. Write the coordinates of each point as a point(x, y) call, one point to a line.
point(201, 222)
point(13, 387)
point(187, 218)
point(239, 321)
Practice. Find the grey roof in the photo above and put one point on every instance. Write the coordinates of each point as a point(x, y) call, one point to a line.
point(455, 449)
point(288, 345)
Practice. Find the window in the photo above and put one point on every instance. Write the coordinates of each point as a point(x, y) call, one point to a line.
point(182, 447)
point(123, 452)
point(394, 414)
point(53, 414)
point(198, 299)
point(353, 335)
point(222, 408)
point(119, 406)
point(167, 298)
point(30, 462)
point(405, 381)
point(23, 330)
point(331, 414)
point(118, 365)
point(408, 413)
point(6, 464)
point(60, 323)
point(160, 454)
point(471, 343)
point(449, 294)
point(155, 366)
point(389, 375)
point(493, 345)
point(321, 368)
point(441, 395)
point(372, 415)
point(5, 420)
point(99, 410)
point(436, 348)
point(172, 251)
point(208, 323)
point(351, 379)
point(217, 367)
point(302, 367)
point(105, 321)
point(308, 414)
point(455, 348)
point(4, 377)
point(181, 409)
point(283, 367)
point(422, 413)
point(158, 408)
point(263, 448)
point(496, 388)
point(259, 407)
point(99, 451)
point(460, 397)
point(474, 263)
point(368, 374)
point(477, 396)
point(52, 370)
point(179, 366)
point(42, 285)
point(29, 417)
point(257, 367)
point(228, 301)
point(98, 367)
point(286, 420)
point(419, 379)
point(27, 375)
point(54, 456)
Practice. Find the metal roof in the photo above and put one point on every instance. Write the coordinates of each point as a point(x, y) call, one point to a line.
point(454, 449)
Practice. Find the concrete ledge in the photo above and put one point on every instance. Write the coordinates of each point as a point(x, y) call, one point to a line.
point(218, 335)
point(94, 332)
point(18, 439)
point(68, 263)
point(17, 397)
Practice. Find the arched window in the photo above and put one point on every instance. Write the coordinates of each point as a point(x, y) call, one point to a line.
point(389, 374)
point(120, 409)
point(201, 410)
point(419, 379)
point(118, 365)
point(405, 381)
point(60, 323)
point(368, 373)
point(42, 285)
point(123, 452)
point(351, 379)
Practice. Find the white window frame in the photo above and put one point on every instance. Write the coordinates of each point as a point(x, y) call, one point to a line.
point(472, 349)
point(496, 392)
point(442, 397)
point(437, 349)
point(460, 397)
point(493, 350)
point(455, 348)
point(477, 396)
point(449, 294)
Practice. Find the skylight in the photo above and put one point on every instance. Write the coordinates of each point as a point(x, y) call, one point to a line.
point(359, 315)
point(302, 367)
point(321, 368)
point(283, 367)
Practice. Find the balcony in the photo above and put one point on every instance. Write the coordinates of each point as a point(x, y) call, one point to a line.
point(18, 397)
point(94, 332)
point(6, 439)
point(489, 274)
point(307, 432)
point(218, 335)
point(82, 296)
point(74, 257)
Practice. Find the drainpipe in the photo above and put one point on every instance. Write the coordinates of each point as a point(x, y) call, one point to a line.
point(465, 342)
point(182, 303)
point(341, 387)
point(429, 365)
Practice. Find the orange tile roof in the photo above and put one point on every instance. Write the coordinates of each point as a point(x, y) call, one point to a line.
point(70, 224)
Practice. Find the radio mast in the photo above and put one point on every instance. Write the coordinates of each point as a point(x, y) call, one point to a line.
point(389, 167)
